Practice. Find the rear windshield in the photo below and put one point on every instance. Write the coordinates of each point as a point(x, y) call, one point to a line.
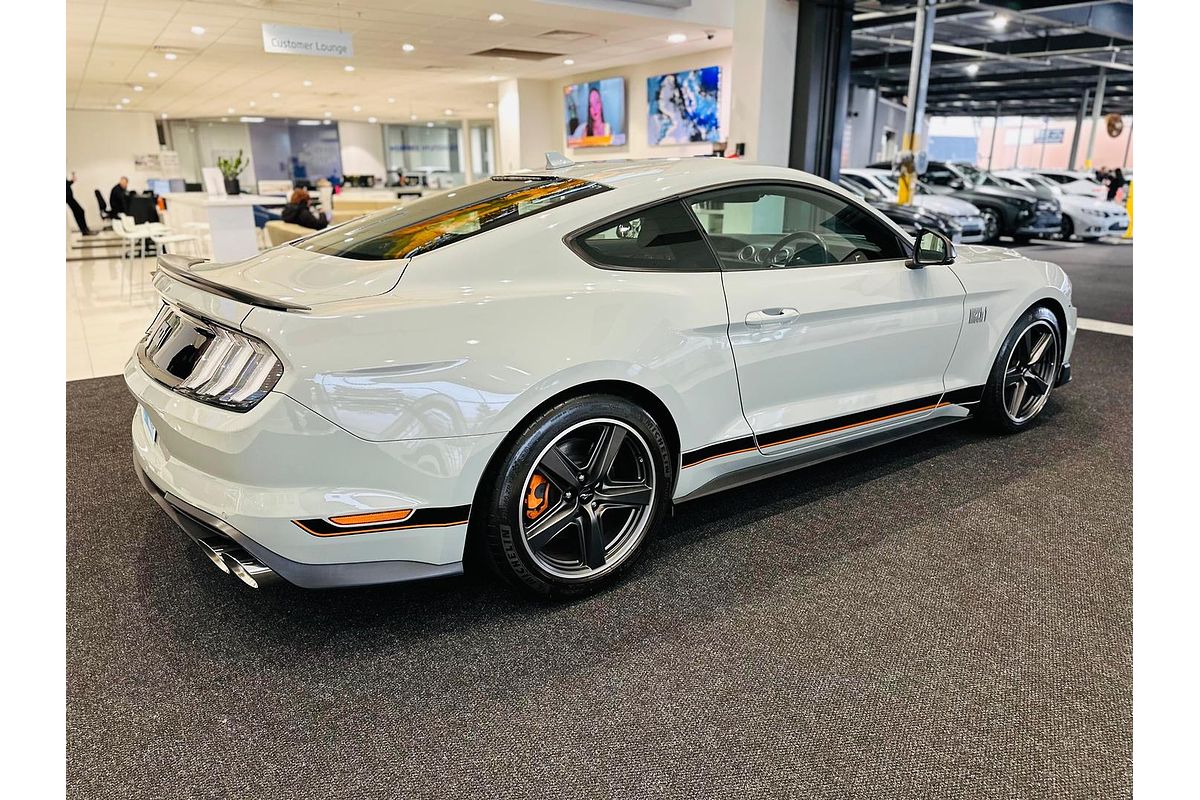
point(431, 222)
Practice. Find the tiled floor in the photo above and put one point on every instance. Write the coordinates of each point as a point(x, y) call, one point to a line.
point(109, 304)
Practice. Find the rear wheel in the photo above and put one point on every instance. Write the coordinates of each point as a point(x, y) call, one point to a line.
point(1068, 228)
point(991, 225)
point(576, 498)
point(1024, 373)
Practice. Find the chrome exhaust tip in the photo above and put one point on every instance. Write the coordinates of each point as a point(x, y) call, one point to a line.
point(216, 549)
point(253, 573)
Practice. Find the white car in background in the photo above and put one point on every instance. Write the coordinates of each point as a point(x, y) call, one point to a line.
point(1084, 216)
point(537, 366)
point(966, 215)
point(1074, 182)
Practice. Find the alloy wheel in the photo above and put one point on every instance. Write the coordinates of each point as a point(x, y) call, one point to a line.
point(589, 499)
point(991, 225)
point(1031, 371)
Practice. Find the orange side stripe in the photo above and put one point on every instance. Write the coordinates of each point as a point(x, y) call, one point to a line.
point(860, 424)
point(350, 531)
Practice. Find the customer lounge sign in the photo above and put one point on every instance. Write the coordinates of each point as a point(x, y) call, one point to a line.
point(306, 41)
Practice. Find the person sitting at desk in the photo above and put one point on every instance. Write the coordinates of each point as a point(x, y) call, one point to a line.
point(118, 198)
point(297, 211)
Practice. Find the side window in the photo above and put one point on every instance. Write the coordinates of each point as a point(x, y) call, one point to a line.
point(752, 227)
point(663, 237)
point(938, 176)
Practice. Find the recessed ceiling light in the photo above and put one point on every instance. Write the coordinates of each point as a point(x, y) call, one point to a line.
point(356, 109)
point(447, 111)
point(372, 120)
point(495, 17)
point(137, 88)
point(568, 61)
point(349, 68)
point(308, 122)
point(120, 107)
point(328, 114)
point(252, 104)
point(413, 117)
point(406, 47)
point(151, 74)
point(308, 83)
point(493, 77)
point(196, 29)
point(275, 94)
point(125, 100)
point(677, 38)
point(999, 22)
point(491, 105)
point(230, 110)
point(251, 119)
point(972, 69)
point(428, 124)
point(170, 56)
point(164, 115)
point(391, 99)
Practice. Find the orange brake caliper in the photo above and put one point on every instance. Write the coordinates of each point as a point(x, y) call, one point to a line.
point(538, 496)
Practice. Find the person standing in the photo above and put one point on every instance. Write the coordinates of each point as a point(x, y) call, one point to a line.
point(1115, 182)
point(77, 210)
point(118, 198)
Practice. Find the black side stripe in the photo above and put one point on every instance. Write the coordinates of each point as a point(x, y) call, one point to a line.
point(420, 518)
point(970, 394)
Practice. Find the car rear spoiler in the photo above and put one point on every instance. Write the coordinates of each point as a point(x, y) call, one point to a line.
point(179, 267)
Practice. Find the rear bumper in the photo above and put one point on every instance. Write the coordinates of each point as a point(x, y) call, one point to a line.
point(202, 526)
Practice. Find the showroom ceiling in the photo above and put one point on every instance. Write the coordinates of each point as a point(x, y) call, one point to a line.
point(114, 46)
point(1031, 57)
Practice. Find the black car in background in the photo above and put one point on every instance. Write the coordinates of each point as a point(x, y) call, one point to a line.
point(1006, 211)
point(910, 218)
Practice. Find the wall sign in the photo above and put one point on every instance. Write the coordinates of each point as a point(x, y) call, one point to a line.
point(306, 41)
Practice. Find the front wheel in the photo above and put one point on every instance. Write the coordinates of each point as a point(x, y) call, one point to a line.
point(575, 499)
point(1024, 373)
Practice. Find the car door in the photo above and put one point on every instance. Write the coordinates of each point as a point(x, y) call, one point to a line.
point(833, 336)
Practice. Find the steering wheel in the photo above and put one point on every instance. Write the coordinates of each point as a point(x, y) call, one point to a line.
point(815, 238)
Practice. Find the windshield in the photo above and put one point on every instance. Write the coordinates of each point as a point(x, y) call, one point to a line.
point(435, 221)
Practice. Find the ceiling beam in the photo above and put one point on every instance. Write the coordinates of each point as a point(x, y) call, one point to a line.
point(1038, 47)
point(1084, 76)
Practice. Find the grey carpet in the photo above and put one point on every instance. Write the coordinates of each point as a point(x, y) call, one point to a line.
point(947, 617)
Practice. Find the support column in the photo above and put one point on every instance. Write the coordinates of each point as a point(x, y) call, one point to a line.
point(913, 142)
point(1020, 132)
point(821, 86)
point(467, 159)
point(760, 111)
point(992, 146)
point(1079, 117)
point(528, 124)
point(1097, 103)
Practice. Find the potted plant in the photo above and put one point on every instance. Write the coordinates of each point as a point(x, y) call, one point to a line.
point(231, 168)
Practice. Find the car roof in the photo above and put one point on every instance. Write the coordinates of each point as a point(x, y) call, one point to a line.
point(654, 177)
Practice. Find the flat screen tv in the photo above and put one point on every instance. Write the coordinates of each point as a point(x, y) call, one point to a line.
point(594, 113)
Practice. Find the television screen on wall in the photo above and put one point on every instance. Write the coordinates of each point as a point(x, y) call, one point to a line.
point(684, 106)
point(594, 113)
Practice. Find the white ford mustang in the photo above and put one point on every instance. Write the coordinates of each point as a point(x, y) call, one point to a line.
point(539, 365)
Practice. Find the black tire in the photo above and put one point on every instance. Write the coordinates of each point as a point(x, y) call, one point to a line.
point(1021, 241)
point(1068, 229)
point(996, 409)
point(993, 223)
point(641, 450)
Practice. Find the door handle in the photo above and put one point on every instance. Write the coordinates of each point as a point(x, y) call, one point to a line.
point(766, 316)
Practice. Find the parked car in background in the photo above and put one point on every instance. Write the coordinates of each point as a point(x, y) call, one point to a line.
point(910, 217)
point(964, 214)
point(1075, 182)
point(1006, 211)
point(1083, 215)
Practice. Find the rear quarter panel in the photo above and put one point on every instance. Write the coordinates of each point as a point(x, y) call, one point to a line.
point(481, 332)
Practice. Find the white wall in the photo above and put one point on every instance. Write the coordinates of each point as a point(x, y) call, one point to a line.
point(101, 146)
point(362, 149)
point(529, 115)
point(764, 52)
point(637, 143)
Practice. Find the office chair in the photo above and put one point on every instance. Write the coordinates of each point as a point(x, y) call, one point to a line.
point(105, 214)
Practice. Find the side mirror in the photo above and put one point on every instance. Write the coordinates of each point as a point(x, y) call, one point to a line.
point(931, 248)
point(955, 183)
